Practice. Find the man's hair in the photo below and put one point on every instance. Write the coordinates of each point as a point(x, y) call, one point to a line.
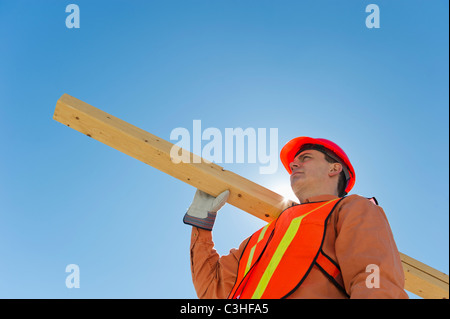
point(342, 182)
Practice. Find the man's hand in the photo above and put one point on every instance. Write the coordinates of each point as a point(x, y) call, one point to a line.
point(203, 210)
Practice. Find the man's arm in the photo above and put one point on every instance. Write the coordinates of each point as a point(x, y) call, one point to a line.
point(213, 276)
point(364, 246)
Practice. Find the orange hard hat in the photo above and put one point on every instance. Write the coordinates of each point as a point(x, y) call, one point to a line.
point(290, 150)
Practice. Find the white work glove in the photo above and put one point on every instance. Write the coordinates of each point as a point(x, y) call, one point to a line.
point(203, 210)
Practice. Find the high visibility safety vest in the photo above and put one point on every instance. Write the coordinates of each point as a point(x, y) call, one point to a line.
point(279, 256)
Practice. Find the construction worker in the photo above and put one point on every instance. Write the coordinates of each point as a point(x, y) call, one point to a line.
point(329, 246)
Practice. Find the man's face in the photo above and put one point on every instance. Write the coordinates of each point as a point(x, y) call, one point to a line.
point(310, 171)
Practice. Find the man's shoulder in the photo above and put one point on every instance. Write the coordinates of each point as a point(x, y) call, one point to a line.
point(357, 210)
point(355, 198)
point(357, 203)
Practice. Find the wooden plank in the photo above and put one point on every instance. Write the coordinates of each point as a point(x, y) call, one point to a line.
point(423, 280)
point(211, 178)
point(154, 151)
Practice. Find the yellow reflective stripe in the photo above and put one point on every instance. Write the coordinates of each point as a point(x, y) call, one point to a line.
point(279, 252)
point(252, 251)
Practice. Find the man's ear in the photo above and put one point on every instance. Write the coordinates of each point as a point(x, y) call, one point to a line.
point(335, 169)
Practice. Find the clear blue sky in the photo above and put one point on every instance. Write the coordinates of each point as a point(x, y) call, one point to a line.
point(304, 67)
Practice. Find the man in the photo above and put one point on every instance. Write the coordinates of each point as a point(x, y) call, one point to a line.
point(329, 246)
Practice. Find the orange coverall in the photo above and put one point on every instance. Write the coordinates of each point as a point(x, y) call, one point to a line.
point(357, 235)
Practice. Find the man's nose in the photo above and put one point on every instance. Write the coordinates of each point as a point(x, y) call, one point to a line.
point(294, 164)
